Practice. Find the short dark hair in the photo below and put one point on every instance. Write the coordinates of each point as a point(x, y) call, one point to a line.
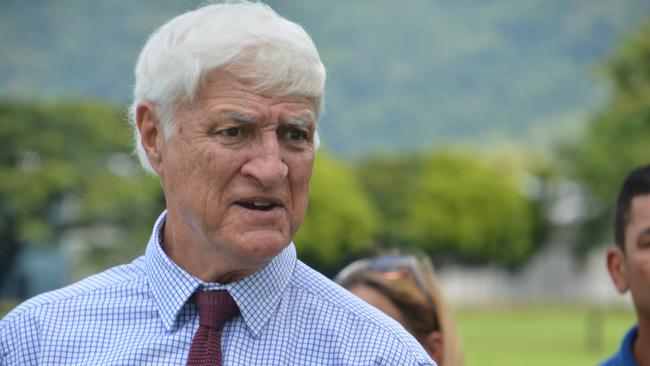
point(637, 183)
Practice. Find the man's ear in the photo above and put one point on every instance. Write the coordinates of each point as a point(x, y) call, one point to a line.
point(433, 344)
point(151, 133)
point(617, 269)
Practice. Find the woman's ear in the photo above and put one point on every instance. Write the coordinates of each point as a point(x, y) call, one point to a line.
point(617, 269)
point(433, 344)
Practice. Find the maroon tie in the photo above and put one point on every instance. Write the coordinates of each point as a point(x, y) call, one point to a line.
point(214, 308)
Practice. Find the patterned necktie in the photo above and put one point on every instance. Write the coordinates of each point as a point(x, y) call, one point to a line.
point(214, 309)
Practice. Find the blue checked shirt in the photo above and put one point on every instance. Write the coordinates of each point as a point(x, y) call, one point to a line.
point(139, 314)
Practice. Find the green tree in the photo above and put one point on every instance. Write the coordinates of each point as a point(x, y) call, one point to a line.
point(616, 140)
point(66, 166)
point(469, 207)
point(452, 204)
point(340, 222)
point(388, 179)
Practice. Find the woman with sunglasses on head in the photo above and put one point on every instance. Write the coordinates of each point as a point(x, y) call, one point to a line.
point(405, 288)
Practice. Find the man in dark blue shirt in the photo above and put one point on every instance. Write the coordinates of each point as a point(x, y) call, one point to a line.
point(629, 264)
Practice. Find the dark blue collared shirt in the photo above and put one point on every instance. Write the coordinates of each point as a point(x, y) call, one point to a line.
point(624, 356)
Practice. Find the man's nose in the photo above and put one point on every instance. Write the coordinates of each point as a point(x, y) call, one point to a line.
point(265, 164)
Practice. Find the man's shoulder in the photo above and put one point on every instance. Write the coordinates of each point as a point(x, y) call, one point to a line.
point(624, 355)
point(322, 292)
point(112, 280)
point(338, 311)
point(614, 360)
point(319, 290)
point(49, 318)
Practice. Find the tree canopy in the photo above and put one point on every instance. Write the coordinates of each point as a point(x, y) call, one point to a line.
point(452, 203)
point(67, 165)
point(616, 139)
point(341, 221)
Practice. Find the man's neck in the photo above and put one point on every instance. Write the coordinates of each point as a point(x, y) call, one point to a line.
point(196, 256)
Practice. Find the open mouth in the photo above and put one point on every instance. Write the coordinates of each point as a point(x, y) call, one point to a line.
point(258, 205)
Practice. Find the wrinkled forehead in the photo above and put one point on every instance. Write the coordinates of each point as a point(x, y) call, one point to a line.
point(226, 79)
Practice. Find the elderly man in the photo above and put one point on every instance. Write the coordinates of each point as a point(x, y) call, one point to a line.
point(226, 104)
point(629, 264)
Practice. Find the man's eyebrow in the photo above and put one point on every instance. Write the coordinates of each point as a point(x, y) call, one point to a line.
point(240, 118)
point(300, 121)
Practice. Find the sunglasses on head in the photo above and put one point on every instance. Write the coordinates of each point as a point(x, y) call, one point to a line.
point(393, 267)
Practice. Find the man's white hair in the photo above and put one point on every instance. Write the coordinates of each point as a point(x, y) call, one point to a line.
point(272, 52)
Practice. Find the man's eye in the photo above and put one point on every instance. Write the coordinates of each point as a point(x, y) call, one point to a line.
point(644, 243)
point(231, 132)
point(298, 135)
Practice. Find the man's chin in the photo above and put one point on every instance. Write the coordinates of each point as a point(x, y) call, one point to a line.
point(263, 245)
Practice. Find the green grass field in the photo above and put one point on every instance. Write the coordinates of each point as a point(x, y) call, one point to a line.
point(541, 335)
point(533, 335)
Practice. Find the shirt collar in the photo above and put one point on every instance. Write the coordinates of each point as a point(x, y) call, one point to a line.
point(627, 357)
point(257, 296)
point(170, 285)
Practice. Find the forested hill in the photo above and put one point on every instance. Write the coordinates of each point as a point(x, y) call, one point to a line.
point(402, 74)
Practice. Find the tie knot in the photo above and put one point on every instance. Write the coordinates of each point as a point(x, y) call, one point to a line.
point(214, 308)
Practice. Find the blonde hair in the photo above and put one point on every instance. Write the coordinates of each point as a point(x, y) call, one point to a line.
point(453, 355)
point(412, 303)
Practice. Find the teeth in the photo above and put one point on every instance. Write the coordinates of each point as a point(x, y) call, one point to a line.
point(258, 205)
